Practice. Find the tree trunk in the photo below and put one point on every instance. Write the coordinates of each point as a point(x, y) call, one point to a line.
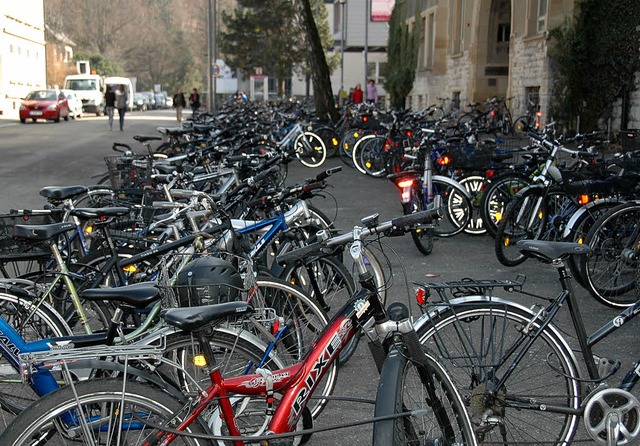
point(322, 92)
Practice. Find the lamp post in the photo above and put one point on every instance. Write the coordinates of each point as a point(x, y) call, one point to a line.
point(343, 19)
point(211, 53)
point(367, 16)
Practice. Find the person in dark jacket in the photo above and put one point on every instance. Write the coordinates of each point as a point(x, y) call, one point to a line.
point(179, 102)
point(110, 104)
point(194, 101)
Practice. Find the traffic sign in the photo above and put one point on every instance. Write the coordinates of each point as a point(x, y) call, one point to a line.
point(216, 70)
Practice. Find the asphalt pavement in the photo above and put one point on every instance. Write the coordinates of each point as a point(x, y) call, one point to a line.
point(41, 154)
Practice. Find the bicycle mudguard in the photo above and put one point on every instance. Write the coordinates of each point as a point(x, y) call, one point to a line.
point(452, 183)
point(98, 364)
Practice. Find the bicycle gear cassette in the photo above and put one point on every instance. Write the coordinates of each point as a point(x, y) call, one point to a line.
point(612, 417)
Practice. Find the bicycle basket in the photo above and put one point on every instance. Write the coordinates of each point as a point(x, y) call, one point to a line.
point(12, 248)
point(128, 172)
point(469, 156)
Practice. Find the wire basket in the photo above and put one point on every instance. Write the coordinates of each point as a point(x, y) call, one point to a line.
point(128, 172)
point(467, 156)
point(14, 248)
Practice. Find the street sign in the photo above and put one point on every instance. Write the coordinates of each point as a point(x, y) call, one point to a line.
point(216, 70)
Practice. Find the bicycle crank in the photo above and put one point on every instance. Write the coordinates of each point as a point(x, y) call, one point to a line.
point(612, 417)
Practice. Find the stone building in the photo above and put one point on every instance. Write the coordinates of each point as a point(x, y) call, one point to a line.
point(22, 51)
point(471, 50)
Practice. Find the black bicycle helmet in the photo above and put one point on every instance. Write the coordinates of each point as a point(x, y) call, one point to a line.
point(206, 281)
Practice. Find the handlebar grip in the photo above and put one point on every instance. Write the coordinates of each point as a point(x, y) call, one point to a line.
point(266, 173)
point(407, 221)
point(299, 253)
point(327, 173)
point(117, 145)
point(312, 187)
point(233, 158)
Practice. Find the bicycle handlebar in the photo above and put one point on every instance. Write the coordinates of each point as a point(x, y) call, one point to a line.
point(391, 227)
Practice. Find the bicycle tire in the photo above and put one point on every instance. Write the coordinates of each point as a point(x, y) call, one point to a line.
point(310, 149)
point(32, 322)
point(457, 208)
point(346, 146)
point(334, 285)
point(307, 320)
point(422, 236)
point(528, 216)
point(609, 272)
point(438, 411)
point(101, 400)
point(496, 197)
point(368, 155)
point(474, 185)
point(330, 140)
point(471, 338)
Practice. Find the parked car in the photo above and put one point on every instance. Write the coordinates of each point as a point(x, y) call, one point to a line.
point(161, 100)
point(75, 104)
point(140, 102)
point(151, 99)
point(169, 102)
point(44, 104)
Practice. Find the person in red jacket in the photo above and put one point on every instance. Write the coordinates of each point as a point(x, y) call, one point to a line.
point(357, 96)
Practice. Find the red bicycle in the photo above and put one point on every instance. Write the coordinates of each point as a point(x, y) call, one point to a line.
point(416, 402)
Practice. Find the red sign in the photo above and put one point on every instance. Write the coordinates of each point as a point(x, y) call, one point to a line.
point(381, 10)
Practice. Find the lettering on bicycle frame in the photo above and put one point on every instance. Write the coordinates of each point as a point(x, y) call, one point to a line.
point(254, 383)
point(8, 345)
point(314, 375)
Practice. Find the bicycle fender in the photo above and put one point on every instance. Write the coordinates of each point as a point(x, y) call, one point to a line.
point(577, 215)
point(390, 377)
point(453, 183)
point(97, 364)
point(437, 310)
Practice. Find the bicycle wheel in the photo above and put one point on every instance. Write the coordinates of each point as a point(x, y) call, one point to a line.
point(525, 218)
point(357, 149)
point(346, 146)
point(497, 196)
point(330, 139)
point(330, 284)
point(437, 411)
point(374, 157)
point(521, 126)
point(32, 322)
point(610, 270)
point(457, 209)
point(304, 320)
point(474, 184)
point(310, 149)
point(99, 412)
point(422, 236)
point(476, 340)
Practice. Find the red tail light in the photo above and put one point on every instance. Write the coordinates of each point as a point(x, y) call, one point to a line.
point(584, 199)
point(421, 296)
point(405, 182)
point(365, 118)
point(444, 161)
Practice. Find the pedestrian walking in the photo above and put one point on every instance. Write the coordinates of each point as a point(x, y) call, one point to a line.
point(121, 104)
point(194, 101)
point(372, 92)
point(357, 94)
point(179, 102)
point(110, 103)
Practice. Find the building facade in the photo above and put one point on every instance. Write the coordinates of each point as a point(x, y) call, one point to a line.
point(22, 51)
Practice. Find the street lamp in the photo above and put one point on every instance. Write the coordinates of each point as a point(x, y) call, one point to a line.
point(343, 19)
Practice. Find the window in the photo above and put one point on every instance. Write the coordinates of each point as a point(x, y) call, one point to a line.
point(542, 16)
point(455, 100)
point(457, 31)
point(537, 21)
point(430, 39)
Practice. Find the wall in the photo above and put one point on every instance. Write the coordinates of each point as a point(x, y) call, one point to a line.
point(22, 51)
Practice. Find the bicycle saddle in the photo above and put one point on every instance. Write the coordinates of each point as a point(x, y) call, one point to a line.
point(138, 295)
point(548, 251)
point(62, 192)
point(194, 318)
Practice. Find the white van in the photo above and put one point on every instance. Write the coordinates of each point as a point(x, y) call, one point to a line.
point(115, 81)
point(90, 90)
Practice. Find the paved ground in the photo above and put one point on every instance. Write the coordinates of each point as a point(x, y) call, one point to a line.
point(36, 155)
